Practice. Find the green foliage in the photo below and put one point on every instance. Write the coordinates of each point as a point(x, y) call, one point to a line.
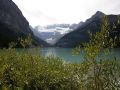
point(25, 42)
point(27, 71)
point(12, 45)
point(32, 72)
point(76, 50)
point(104, 73)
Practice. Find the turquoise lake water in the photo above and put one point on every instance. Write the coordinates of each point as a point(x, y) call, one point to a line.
point(67, 55)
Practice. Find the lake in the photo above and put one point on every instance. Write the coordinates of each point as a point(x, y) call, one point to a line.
point(67, 55)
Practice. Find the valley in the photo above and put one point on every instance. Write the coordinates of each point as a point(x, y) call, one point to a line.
point(59, 45)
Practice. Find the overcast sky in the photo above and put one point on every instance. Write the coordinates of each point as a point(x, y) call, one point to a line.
point(43, 12)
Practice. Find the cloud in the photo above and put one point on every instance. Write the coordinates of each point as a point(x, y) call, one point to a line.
point(42, 12)
point(39, 18)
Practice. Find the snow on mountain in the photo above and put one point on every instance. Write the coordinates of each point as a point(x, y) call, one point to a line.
point(52, 33)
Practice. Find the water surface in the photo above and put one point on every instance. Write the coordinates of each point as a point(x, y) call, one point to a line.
point(67, 55)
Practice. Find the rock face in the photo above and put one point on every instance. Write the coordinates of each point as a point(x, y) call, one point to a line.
point(80, 34)
point(13, 24)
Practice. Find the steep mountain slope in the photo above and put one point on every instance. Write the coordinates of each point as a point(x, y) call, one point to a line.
point(13, 24)
point(80, 35)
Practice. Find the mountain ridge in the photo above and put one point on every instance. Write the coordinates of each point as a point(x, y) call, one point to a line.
point(80, 35)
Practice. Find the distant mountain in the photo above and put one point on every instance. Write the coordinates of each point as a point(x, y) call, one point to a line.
point(52, 33)
point(37, 40)
point(80, 34)
point(57, 25)
point(13, 24)
point(74, 26)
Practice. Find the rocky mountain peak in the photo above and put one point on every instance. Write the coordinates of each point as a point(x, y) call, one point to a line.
point(98, 14)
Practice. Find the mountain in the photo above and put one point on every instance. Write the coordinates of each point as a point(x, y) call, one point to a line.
point(57, 25)
point(80, 34)
point(51, 33)
point(37, 40)
point(74, 26)
point(14, 25)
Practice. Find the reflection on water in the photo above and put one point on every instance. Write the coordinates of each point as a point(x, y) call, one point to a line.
point(49, 52)
point(66, 54)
